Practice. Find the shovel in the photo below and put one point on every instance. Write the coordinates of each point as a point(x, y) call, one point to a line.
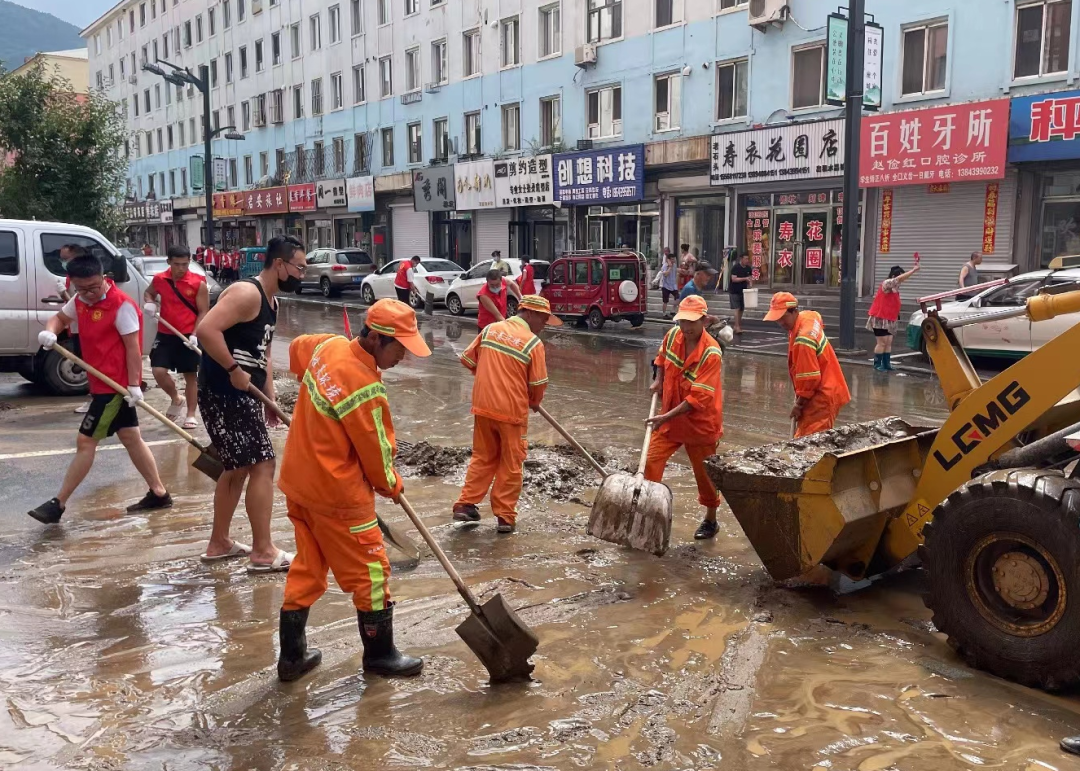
point(500, 639)
point(392, 534)
point(207, 462)
point(630, 511)
point(187, 343)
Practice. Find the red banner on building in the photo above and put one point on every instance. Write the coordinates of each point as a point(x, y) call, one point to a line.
point(228, 204)
point(885, 232)
point(270, 200)
point(955, 143)
point(990, 218)
point(302, 197)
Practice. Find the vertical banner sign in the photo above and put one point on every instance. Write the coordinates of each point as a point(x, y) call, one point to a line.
point(885, 236)
point(872, 55)
point(221, 174)
point(757, 235)
point(836, 78)
point(197, 172)
point(990, 218)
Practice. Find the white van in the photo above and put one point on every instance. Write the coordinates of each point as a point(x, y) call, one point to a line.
point(29, 267)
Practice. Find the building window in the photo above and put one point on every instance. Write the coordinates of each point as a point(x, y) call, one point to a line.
point(315, 42)
point(316, 96)
point(386, 77)
point(472, 133)
point(511, 126)
point(605, 20)
point(275, 48)
point(416, 150)
point(668, 12)
point(245, 116)
point(471, 49)
point(211, 20)
point(337, 93)
point(232, 174)
point(229, 67)
point(146, 100)
point(319, 160)
point(301, 162)
point(198, 29)
point(668, 103)
point(279, 161)
point(727, 5)
point(249, 170)
point(243, 62)
point(338, 144)
point(264, 164)
point(260, 110)
point(180, 134)
point(142, 14)
point(277, 106)
point(440, 71)
point(99, 80)
point(226, 14)
point(550, 31)
point(230, 116)
point(183, 181)
point(157, 86)
point(334, 20)
point(1042, 38)
point(605, 112)
point(924, 52)
point(384, 18)
point(259, 62)
point(298, 102)
point(731, 80)
point(440, 130)
point(511, 50)
point(361, 162)
point(550, 121)
point(359, 84)
point(165, 46)
point(808, 77)
point(241, 9)
point(294, 32)
point(411, 7)
point(169, 136)
point(412, 70)
point(357, 18)
point(187, 34)
point(387, 146)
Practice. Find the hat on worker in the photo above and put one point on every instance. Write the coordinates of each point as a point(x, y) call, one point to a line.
point(780, 304)
point(395, 319)
point(534, 302)
point(692, 308)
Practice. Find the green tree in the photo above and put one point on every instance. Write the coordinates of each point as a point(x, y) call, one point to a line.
point(64, 159)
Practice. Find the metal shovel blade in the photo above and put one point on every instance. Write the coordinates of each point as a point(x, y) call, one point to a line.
point(209, 464)
point(630, 511)
point(501, 640)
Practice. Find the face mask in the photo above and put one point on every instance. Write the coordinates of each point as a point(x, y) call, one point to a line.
point(290, 283)
point(496, 290)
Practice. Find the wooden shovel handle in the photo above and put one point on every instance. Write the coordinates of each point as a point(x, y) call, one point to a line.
point(178, 333)
point(440, 555)
point(648, 435)
point(271, 405)
point(562, 432)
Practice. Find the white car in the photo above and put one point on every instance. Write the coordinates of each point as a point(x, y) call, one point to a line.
point(429, 276)
point(461, 295)
point(1007, 338)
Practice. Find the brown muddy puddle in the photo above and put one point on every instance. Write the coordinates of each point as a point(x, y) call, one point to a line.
point(119, 650)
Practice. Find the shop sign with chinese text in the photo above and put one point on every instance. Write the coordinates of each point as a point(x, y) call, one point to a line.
point(797, 151)
point(229, 204)
point(885, 231)
point(524, 182)
point(836, 69)
point(757, 236)
point(330, 194)
point(604, 177)
point(361, 193)
point(269, 200)
point(1045, 127)
point(474, 184)
point(954, 143)
point(302, 197)
point(993, 189)
point(434, 190)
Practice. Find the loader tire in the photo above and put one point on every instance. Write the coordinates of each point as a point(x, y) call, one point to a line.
point(1002, 557)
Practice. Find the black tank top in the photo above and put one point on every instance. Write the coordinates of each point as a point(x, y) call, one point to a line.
point(248, 342)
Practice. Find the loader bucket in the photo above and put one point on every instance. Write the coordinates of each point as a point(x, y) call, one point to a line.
point(826, 498)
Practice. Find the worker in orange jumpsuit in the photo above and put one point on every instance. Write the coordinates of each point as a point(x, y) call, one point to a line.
point(820, 388)
point(692, 411)
point(508, 361)
point(339, 454)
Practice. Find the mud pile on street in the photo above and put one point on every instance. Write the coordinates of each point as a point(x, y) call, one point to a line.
point(286, 391)
point(794, 458)
point(429, 460)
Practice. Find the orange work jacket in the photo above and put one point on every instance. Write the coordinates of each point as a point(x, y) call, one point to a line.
point(511, 371)
point(813, 366)
point(692, 377)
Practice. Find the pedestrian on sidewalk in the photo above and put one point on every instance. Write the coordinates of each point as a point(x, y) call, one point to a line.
point(686, 266)
point(969, 274)
point(688, 368)
point(339, 454)
point(492, 298)
point(236, 337)
point(183, 299)
point(742, 278)
point(510, 368)
point(526, 281)
point(403, 279)
point(820, 388)
point(110, 330)
point(669, 287)
point(703, 274)
point(884, 314)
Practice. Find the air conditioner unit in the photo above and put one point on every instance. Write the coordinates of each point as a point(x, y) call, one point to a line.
point(586, 144)
point(133, 80)
point(585, 55)
point(762, 13)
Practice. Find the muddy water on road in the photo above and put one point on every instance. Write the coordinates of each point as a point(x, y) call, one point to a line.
point(118, 649)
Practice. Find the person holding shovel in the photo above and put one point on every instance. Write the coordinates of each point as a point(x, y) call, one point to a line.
point(339, 455)
point(508, 362)
point(692, 412)
point(110, 329)
point(183, 299)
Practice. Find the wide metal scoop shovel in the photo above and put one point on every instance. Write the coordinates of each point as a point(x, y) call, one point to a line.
point(500, 639)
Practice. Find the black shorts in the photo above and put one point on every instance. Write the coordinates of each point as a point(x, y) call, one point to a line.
point(736, 301)
point(882, 332)
point(669, 294)
point(169, 352)
point(108, 414)
point(236, 424)
point(402, 294)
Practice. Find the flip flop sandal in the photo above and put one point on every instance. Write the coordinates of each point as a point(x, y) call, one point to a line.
point(280, 564)
point(237, 550)
point(191, 423)
point(174, 411)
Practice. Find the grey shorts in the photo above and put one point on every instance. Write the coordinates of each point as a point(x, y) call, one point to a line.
point(236, 424)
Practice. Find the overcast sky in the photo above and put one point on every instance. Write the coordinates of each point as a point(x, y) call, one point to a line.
point(78, 12)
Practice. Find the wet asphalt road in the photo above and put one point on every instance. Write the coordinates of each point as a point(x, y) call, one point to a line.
point(118, 649)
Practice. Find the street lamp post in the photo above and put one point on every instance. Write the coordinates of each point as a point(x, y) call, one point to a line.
point(852, 118)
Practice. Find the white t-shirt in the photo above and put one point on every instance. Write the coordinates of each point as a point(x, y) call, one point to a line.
point(127, 320)
point(409, 275)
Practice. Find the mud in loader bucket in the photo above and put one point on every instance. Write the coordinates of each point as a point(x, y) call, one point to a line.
point(823, 499)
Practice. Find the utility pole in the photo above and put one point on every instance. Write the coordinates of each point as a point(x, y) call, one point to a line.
point(853, 104)
point(208, 159)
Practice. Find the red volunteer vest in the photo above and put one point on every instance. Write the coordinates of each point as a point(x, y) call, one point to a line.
point(401, 279)
point(102, 346)
point(483, 317)
point(886, 304)
point(172, 310)
point(528, 286)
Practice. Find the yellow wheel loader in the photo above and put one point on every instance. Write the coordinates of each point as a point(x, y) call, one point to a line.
point(990, 502)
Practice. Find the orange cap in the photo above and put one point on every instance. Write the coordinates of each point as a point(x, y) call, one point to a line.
point(692, 308)
point(781, 303)
point(534, 302)
point(395, 319)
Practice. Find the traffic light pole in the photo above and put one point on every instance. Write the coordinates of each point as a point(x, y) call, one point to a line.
point(849, 248)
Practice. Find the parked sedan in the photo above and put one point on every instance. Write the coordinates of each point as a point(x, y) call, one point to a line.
point(1006, 338)
point(461, 295)
point(333, 271)
point(429, 276)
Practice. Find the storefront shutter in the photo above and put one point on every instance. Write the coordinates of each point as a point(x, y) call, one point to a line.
point(411, 234)
point(492, 228)
point(944, 228)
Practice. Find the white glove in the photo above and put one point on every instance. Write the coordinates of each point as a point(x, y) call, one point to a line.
point(46, 339)
point(61, 286)
point(194, 341)
point(150, 309)
point(135, 395)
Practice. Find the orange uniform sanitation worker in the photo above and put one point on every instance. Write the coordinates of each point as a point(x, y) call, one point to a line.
point(339, 454)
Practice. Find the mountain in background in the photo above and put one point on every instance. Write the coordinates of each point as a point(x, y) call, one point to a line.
point(81, 13)
point(24, 32)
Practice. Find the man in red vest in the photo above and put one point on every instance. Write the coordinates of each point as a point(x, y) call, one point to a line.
point(110, 333)
point(492, 298)
point(184, 299)
point(403, 279)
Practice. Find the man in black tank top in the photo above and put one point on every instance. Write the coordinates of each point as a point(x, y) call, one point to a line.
point(236, 337)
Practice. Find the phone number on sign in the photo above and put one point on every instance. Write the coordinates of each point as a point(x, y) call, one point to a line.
point(992, 172)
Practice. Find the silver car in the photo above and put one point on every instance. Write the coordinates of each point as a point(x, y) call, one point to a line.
point(332, 271)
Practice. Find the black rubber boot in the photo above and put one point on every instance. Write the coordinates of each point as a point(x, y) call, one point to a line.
point(295, 660)
point(380, 655)
point(1071, 745)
